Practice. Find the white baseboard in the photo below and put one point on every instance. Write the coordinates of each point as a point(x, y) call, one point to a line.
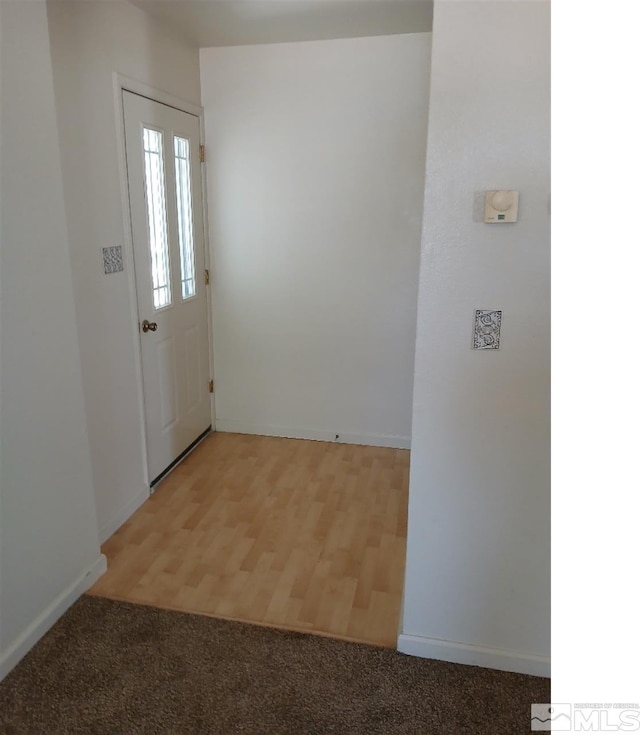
point(464, 653)
point(123, 514)
point(393, 441)
point(32, 634)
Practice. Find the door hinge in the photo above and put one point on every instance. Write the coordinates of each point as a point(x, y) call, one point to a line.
point(206, 276)
point(211, 386)
point(201, 154)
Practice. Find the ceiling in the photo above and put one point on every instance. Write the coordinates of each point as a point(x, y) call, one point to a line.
point(239, 22)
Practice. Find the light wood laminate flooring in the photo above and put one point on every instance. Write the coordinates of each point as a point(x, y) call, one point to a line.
point(296, 534)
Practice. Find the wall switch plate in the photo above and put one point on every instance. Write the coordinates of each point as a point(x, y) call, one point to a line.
point(501, 206)
point(112, 259)
point(486, 334)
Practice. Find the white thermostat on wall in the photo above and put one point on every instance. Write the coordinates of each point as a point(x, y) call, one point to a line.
point(501, 206)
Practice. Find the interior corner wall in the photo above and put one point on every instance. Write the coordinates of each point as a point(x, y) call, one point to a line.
point(315, 170)
point(477, 586)
point(49, 551)
point(89, 42)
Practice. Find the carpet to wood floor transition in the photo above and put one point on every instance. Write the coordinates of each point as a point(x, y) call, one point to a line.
point(114, 667)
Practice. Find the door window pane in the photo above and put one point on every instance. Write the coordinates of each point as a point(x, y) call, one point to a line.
point(185, 216)
point(157, 216)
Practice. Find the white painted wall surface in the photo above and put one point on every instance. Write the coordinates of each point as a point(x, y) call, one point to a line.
point(49, 552)
point(91, 40)
point(315, 169)
point(477, 574)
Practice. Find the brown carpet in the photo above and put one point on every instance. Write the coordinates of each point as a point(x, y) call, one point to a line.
point(113, 667)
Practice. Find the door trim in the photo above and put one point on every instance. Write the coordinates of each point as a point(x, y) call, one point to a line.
point(122, 83)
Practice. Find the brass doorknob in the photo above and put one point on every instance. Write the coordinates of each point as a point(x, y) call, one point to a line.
point(148, 326)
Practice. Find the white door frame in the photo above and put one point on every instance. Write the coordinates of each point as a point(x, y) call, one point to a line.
point(123, 83)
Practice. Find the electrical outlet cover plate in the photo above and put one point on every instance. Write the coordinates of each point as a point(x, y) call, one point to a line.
point(486, 335)
point(501, 206)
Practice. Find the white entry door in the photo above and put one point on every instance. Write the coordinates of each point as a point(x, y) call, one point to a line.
point(165, 194)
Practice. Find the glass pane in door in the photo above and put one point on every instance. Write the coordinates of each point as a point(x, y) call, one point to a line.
point(157, 217)
point(185, 216)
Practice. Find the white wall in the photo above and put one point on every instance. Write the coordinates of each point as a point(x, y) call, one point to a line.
point(49, 552)
point(89, 41)
point(315, 170)
point(477, 575)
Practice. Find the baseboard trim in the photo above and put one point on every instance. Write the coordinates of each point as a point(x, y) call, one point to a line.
point(392, 441)
point(108, 529)
point(464, 653)
point(32, 634)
